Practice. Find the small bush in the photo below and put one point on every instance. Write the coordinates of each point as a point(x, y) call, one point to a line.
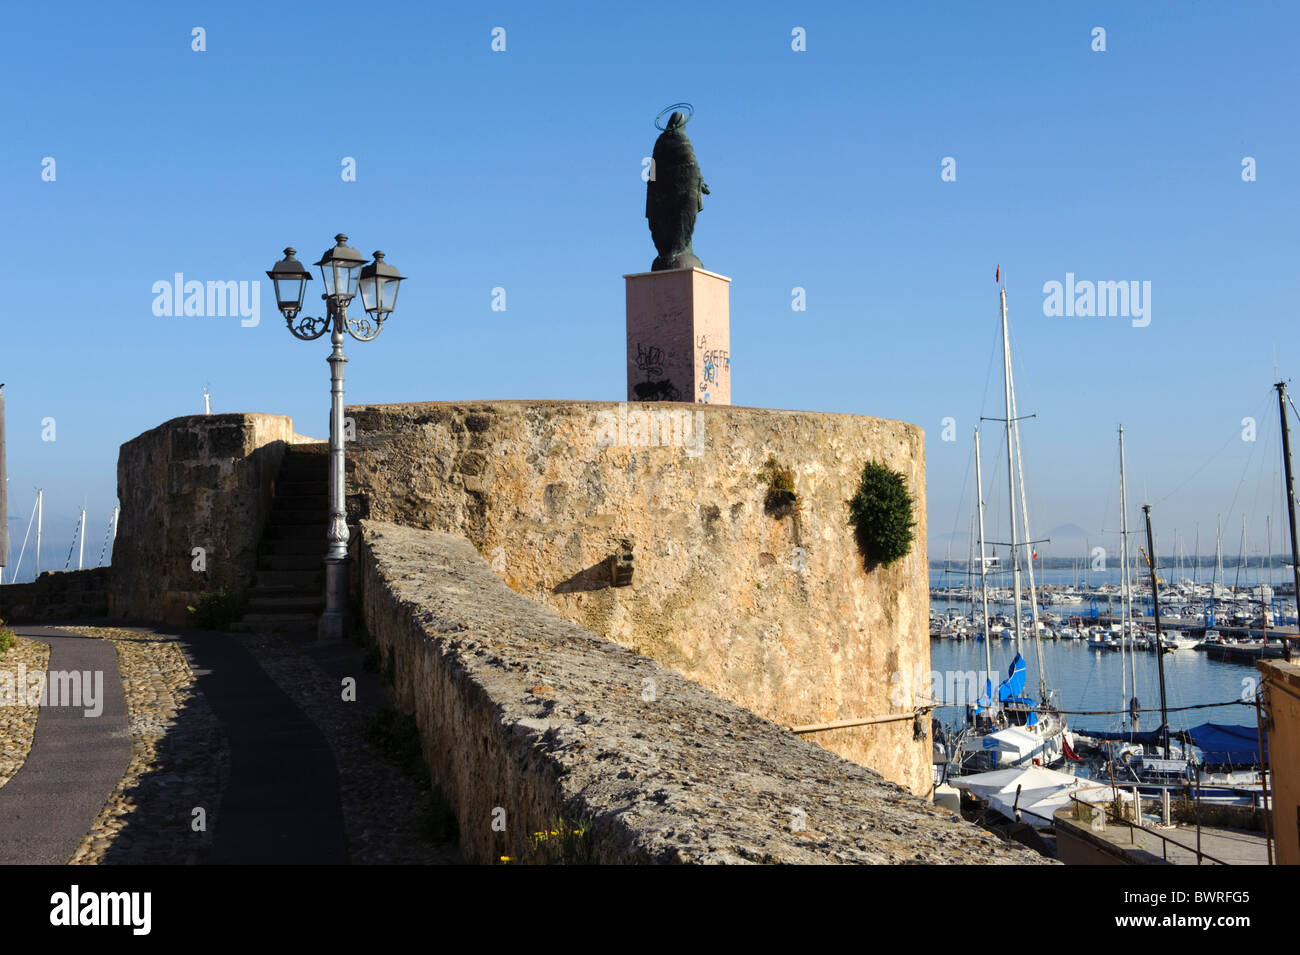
point(217, 610)
point(781, 498)
point(7, 638)
point(881, 515)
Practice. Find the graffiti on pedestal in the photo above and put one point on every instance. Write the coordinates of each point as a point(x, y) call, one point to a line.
point(716, 362)
point(650, 362)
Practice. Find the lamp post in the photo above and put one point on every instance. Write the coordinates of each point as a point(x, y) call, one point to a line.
point(344, 272)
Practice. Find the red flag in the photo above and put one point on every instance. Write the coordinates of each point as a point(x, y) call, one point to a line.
point(997, 276)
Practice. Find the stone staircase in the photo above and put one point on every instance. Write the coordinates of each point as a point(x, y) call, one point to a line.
point(288, 593)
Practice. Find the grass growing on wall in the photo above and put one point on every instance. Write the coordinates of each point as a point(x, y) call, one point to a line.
point(781, 498)
point(563, 842)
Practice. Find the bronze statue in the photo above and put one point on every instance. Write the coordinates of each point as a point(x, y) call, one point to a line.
point(674, 194)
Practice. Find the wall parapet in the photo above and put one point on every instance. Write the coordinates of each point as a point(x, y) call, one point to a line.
point(528, 719)
point(199, 481)
point(57, 595)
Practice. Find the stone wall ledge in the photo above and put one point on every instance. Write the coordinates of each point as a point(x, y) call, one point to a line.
point(527, 718)
point(57, 595)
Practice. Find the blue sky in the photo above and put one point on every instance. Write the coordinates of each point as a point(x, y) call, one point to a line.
point(522, 169)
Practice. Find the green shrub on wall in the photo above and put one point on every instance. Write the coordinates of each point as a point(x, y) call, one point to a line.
point(881, 515)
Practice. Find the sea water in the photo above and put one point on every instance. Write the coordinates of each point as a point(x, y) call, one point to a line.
point(1088, 679)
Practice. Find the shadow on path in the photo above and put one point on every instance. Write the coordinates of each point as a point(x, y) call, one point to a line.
point(281, 799)
point(281, 803)
point(75, 760)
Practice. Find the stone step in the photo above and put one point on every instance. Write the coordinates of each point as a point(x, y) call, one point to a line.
point(304, 578)
point(313, 561)
point(283, 516)
point(285, 605)
point(263, 591)
point(286, 489)
point(293, 547)
point(295, 530)
point(284, 501)
point(276, 623)
point(295, 484)
point(309, 464)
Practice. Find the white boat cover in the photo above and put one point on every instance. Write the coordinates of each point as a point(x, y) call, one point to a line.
point(1042, 791)
point(1012, 745)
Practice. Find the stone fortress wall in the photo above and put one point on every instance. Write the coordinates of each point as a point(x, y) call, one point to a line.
point(643, 523)
point(774, 613)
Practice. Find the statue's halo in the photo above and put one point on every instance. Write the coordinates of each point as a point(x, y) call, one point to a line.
point(669, 110)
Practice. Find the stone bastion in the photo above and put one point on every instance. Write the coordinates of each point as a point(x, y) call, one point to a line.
point(648, 524)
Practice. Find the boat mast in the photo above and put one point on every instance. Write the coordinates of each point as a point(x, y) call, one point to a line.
point(1024, 513)
point(1196, 558)
point(1290, 501)
point(81, 554)
point(1160, 651)
point(1126, 593)
point(1241, 557)
point(1218, 568)
point(40, 518)
point(1011, 466)
point(1263, 601)
point(970, 556)
point(984, 581)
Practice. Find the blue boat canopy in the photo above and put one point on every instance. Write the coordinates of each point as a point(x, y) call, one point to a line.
point(1011, 690)
point(1014, 685)
point(1224, 744)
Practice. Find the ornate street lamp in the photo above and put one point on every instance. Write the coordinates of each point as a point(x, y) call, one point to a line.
point(378, 282)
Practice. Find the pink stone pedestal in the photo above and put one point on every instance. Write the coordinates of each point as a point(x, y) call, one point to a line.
point(679, 337)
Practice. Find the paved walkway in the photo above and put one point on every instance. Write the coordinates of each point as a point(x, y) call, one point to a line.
point(74, 763)
point(281, 803)
point(1233, 846)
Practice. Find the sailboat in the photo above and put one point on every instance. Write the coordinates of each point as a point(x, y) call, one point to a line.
point(1007, 728)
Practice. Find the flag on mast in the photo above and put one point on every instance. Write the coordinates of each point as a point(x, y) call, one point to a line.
point(997, 275)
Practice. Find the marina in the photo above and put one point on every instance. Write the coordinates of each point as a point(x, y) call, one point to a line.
point(1087, 747)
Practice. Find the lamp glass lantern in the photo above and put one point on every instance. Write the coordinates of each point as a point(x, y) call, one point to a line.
point(379, 283)
point(290, 280)
point(339, 267)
